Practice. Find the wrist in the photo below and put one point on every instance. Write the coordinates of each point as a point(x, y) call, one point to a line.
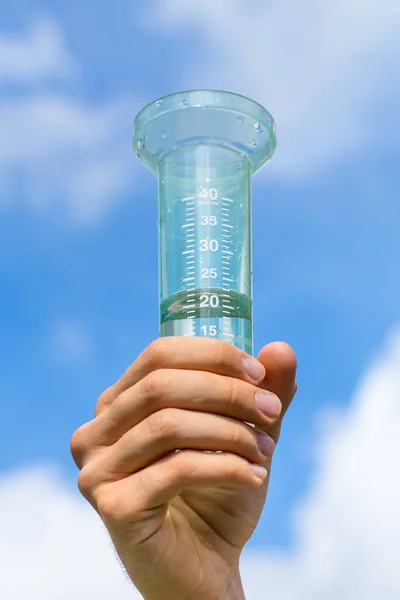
point(234, 591)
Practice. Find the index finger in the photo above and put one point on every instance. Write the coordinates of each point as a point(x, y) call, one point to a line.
point(194, 353)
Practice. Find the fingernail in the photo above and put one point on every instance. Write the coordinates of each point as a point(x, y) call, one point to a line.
point(254, 368)
point(259, 472)
point(269, 404)
point(265, 443)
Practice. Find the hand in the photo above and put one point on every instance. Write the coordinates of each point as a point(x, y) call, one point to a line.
point(179, 520)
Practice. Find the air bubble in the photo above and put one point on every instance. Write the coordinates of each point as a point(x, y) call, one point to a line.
point(257, 127)
point(253, 144)
point(164, 134)
point(141, 143)
point(159, 103)
point(185, 102)
point(240, 120)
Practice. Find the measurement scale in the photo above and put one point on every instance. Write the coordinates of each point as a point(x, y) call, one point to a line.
point(204, 146)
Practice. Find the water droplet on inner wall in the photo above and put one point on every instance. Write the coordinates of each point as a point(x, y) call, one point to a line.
point(141, 143)
point(159, 103)
point(257, 128)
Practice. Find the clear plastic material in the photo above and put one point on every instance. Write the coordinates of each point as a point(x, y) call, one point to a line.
point(204, 146)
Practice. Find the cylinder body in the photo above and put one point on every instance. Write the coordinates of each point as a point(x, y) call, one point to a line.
point(204, 146)
point(205, 278)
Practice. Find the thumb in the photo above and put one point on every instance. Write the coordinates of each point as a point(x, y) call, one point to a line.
point(280, 365)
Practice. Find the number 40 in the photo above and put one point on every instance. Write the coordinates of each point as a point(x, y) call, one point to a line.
point(208, 194)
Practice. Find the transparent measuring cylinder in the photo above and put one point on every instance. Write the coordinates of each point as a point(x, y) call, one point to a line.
point(205, 245)
point(204, 146)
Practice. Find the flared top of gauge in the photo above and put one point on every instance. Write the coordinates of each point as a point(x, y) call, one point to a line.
point(204, 117)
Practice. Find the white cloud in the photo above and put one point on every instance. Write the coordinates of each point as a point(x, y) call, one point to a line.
point(319, 66)
point(37, 54)
point(57, 152)
point(347, 529)
point(53, 546)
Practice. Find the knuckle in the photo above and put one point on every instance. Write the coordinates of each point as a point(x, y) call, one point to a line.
point(111, 505)
point(239, 394)
point(79, 444)
point(235, 432)
point(183, 467)
point(164, 423)
point(87, 481)
point(232, 466)
point(154, 385)
point(156, 352)
point(104, 400)
point(223, 355)
point(232, 393)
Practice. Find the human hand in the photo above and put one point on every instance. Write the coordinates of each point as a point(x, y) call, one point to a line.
point(179, 520)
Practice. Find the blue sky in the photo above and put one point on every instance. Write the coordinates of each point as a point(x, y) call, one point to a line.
point(78, 294)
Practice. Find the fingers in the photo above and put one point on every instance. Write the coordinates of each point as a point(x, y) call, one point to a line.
point(192, 394)
point(170, 429)
point(179, 389)
point(280, 365)
point(126, 500)
point(194, 353)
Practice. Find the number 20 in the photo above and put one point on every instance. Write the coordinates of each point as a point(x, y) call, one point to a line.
point(206, 300)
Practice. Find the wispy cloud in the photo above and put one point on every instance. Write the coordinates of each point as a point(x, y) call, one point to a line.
point(38, 53)
point(58, 152)
point(319, 66)
point(69, 341)
point(347, 529)
point(74, 158)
